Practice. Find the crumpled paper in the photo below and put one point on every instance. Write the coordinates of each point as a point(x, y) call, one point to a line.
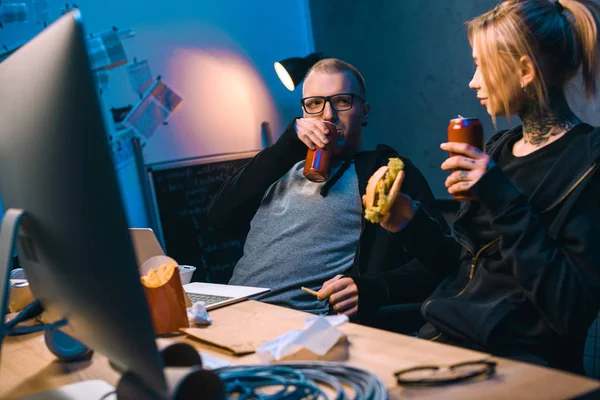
point(318, 336)
point(197, 314)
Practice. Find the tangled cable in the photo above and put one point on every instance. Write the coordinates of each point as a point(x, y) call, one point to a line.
point(300, 380)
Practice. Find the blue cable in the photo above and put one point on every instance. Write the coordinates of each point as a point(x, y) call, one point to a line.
point(244, 382)
point(298, 381)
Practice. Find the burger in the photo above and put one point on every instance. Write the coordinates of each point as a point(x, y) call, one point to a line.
point(380, 196)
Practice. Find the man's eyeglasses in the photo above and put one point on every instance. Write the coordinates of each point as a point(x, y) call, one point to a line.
point(434, 375)
point(339, 102)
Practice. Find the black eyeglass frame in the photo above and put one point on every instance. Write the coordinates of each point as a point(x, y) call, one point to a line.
point(488, 370)
point(328, 99)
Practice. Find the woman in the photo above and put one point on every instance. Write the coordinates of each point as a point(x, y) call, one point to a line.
point(523, 280)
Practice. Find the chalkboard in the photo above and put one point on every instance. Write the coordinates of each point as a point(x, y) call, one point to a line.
point(182, 193)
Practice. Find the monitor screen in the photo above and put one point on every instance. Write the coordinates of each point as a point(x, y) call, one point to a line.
point(55, 164)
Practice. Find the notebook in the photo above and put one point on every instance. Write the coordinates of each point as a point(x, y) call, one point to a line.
point(213, 295)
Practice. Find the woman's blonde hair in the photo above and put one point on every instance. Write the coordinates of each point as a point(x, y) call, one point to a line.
point(560, 38)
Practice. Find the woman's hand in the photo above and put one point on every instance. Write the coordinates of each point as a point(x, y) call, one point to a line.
point(468, 164)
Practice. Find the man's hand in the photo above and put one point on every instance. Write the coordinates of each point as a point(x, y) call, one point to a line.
point(342, 293)
point(312, 132)
point(469, 165)
point(402, 211)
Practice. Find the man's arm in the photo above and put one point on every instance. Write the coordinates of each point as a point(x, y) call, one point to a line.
point(435, 254)
point(410, 279)
point(239, 198)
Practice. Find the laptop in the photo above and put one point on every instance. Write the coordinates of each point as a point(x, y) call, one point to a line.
point(213, 295)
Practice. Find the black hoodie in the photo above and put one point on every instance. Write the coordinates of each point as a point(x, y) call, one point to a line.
point(533, 291)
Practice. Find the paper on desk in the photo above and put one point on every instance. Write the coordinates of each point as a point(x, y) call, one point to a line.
point(212, 362)
point(318, 336)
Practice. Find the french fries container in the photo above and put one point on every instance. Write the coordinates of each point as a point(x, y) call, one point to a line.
point(164, 293)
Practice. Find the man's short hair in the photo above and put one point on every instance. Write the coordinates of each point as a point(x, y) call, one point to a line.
point(333, 65)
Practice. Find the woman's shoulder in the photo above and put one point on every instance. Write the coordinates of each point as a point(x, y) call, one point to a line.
point(500, 137)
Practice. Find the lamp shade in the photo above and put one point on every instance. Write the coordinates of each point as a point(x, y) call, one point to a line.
point(291, 71)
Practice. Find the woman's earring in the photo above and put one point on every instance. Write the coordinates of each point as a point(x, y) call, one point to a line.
point(523, 87)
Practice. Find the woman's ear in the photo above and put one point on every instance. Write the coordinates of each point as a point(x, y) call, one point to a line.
point(527, 71)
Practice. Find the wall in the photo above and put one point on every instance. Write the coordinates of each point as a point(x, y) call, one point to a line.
point(416, 60)
point(216, 54)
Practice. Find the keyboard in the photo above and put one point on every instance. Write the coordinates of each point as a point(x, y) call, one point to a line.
point(208, 299)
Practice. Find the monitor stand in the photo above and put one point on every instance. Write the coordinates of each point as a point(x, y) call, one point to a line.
point(60, 344)
point(8, 235)
point(183, 366)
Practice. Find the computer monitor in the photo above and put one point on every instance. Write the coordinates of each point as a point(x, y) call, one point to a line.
point(56, 165)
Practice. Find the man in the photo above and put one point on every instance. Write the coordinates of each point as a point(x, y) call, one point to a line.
point(301, 233)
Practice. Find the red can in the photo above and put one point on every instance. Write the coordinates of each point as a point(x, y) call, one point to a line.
point(318, 161)
point(465, 130)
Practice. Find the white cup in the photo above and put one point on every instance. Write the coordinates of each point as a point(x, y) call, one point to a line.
point(186, 272)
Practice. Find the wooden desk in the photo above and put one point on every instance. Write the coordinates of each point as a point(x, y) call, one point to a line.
point(28, 367)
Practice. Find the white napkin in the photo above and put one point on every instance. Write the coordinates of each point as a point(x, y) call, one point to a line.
point(319, 336)
point(197, 314)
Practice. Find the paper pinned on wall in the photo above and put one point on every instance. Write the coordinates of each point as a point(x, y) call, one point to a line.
point(126, 33)
point(40, 11)
point(13, 13)
point(140, 75)
point(148, 114)
point(102, 80)
point(155, 106)
point(106, 50)
point(68, 7)
point(121, 146)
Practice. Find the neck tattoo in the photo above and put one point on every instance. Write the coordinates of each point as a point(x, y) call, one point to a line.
point(540, 124)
